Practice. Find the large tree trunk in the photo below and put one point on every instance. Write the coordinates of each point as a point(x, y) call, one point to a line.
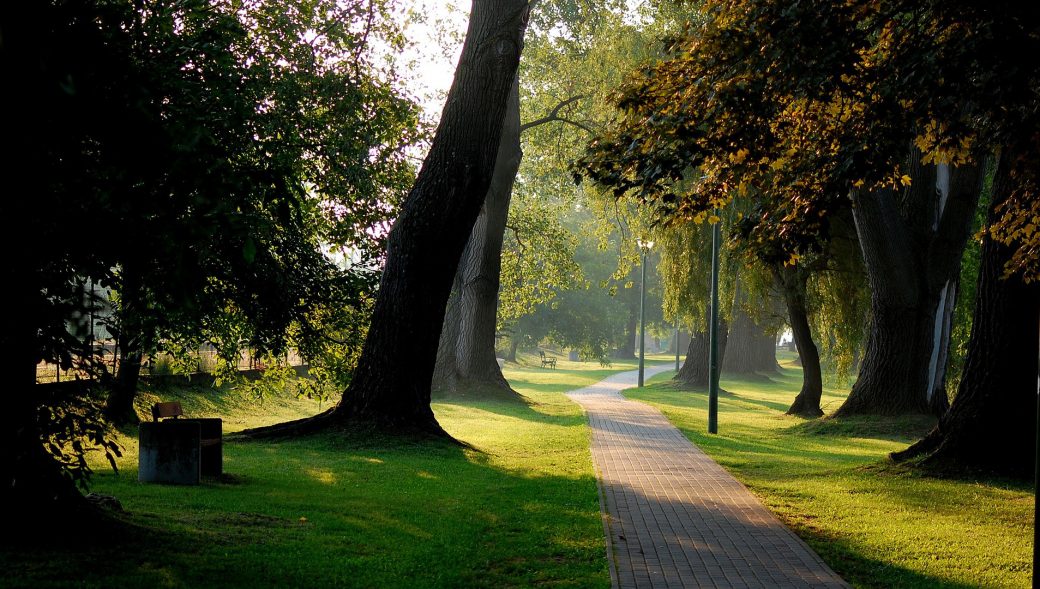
point(743, 333)
point(36, 499)
point(627, 350)
point(35, 496)
point(723, 340)
point(119, 407)
point(694, 369)
point(474, 305)
point(446, 367)
point(392, 383)
point(514, 343)
point(792, 284)
point(911, 250)
point(764, 351)
point(991, 424)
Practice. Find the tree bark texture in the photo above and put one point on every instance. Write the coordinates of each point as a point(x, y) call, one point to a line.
point(474, 304)
point(446, 367)
point(939, 400)
point(694, 369)
point(741, 342)
point(392, 383)
point(764, 351)
point(912, 246)
point(723, 341)
point(792, 283)
point(991, 425)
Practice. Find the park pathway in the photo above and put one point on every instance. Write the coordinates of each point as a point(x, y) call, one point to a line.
point(673, 516)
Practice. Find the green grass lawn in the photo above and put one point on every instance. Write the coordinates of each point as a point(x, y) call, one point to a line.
point(876, 524)
point(521, 510)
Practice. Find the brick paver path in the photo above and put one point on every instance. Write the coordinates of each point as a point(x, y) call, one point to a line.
point(674, 517)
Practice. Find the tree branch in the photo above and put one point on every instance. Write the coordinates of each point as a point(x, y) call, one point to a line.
point(554, 116)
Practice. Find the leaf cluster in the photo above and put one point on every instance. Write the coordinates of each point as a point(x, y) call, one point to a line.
point(797, 103)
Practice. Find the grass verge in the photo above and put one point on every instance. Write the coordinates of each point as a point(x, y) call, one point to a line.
point(326, 511)
point(877, 524)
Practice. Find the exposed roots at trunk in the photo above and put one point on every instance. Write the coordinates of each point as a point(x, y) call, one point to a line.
point(806, 405)
point(332, 422)
point(922, 447)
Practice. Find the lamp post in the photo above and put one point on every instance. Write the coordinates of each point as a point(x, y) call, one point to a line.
point(677, 348)
point(644, 247)
point(713, 329)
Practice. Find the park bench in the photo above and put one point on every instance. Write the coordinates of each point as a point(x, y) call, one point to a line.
point(549, 361)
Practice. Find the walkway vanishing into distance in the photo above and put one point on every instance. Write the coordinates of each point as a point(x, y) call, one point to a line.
point(673, 516)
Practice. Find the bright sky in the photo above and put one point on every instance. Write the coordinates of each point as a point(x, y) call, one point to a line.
point(436, 30)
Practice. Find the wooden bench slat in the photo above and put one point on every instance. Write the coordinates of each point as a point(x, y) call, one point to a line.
point(167, 409)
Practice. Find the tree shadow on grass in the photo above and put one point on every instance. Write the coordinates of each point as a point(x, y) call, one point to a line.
point(731, 393)
point(526, 409)
point(900, 428)
point(332, 510)
point(860, 570)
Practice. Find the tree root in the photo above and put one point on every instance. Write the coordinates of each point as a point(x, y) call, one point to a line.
point(330, 421)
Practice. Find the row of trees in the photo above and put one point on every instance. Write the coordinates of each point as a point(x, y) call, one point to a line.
point(251, 140)
point(806, 115)
point(222, 149)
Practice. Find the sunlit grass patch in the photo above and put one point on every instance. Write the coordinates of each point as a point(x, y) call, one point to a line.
point(876, 524)
point(519, 508)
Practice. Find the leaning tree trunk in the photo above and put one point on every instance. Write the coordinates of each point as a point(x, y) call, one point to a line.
point(792, 283)
point(911, 249)
point(474, 305)
point(991, 424)
point(427, 240)
point(473, 308)
point(446, 367)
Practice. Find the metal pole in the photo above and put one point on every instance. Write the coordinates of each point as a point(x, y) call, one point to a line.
point(713, 339)
point(642, 317)
point(677, 347)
